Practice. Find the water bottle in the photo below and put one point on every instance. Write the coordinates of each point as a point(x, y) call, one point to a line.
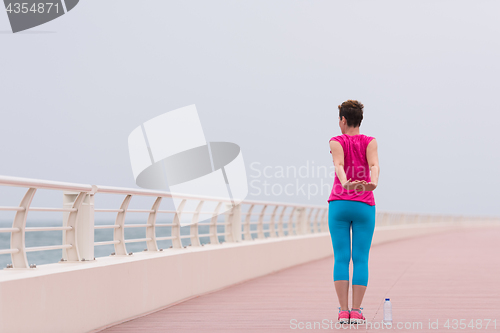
point(387, 311)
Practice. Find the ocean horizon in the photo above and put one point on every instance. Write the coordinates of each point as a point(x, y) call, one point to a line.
point(48, 238)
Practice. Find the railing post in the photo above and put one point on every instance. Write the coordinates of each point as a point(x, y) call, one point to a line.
point(119, 233)
point(309, 222)
point(234, 222)
point(291, 229)
point(281, 230)
point(301, 225)
point(324, 220)
point(176, 228)
point(248, 219)
point(214, 238)
point(316, 226)
point(19, 259)
point(260, 225)
point(194, 228)
point(151, 231)
point(272, 223)
point(83, 226)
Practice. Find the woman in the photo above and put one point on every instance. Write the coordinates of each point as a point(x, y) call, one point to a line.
point(351, 204)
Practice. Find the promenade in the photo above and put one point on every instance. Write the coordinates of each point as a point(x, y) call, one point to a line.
point(432, 278)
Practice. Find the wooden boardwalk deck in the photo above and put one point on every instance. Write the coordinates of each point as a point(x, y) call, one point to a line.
point(432, 278)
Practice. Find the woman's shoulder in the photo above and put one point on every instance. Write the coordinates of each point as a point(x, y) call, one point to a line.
point(352, 137)
point(362, 138)
point(368, 139)
point(340, 138)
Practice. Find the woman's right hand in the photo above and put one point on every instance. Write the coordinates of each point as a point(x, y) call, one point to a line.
point(354, 185)
point(359, 185)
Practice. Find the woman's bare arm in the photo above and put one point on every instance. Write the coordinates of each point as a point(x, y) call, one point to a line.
point(338, 161)
point(372, 158)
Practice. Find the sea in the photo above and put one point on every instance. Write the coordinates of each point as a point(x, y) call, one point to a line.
point(46, 238)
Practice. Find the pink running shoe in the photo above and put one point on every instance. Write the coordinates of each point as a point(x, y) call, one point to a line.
point(356, 317)
point(343, 316)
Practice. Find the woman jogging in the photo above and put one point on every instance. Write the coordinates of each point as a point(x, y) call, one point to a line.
point(352, 205)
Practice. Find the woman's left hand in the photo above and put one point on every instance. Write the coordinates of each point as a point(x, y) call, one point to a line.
point(364, 186)
point(369, 186)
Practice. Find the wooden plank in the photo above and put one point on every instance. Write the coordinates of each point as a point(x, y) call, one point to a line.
point(451, 275)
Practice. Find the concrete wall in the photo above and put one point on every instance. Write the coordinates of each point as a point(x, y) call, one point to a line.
point(83, 297)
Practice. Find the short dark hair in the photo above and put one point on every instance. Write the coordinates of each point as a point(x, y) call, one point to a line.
point(352, 111)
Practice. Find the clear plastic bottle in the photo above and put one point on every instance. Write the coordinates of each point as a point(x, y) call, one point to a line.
point(388, 311)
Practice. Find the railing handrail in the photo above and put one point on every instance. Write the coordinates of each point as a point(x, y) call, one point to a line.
point(43, 184)
point(285, 219)
point(165, 194)
point(56, 185)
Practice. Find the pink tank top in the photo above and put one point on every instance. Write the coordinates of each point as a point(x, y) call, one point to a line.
point(355, 166)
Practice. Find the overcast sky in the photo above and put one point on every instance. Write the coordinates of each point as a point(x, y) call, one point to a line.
point(267, 75)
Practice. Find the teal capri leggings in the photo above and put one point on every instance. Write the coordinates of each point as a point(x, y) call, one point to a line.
point(342, 215)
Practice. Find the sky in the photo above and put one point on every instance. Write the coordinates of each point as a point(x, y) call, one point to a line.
point(267, 75)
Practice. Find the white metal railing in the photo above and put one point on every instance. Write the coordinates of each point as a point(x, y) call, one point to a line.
point(246, 221)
